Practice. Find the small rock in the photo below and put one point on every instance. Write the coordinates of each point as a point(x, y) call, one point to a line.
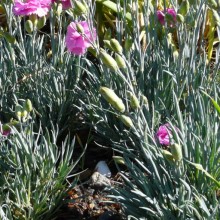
point(103, 168)
point(99, 181)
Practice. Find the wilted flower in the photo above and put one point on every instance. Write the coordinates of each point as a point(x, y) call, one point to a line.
point(29, 7)
point(65, 3)
point(169, 12)
point(164, 134)
point(79, 39)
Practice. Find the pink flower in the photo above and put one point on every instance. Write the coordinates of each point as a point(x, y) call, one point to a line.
point(164, 134)
point(29, 7)
point(65, 3)
point(76, 42)
point(169, 11)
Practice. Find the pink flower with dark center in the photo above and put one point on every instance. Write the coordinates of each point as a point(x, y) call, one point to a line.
point(170, 12)
point(65, 3)
point(77, 42)
point(164, 134)
point(29, 7)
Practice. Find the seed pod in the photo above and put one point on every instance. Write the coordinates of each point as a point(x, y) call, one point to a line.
point(29, 27)
point(116, 46)
point(176, 151)
point(108, 60)
point(18, 111)
point(41, 22)
point(110, 96)
point(126, 121)
point(28, 105)
point(120, 61)
point(134, 101)
point(80, 7)
point(180, 18)
point(184, 8)
point(168, 155)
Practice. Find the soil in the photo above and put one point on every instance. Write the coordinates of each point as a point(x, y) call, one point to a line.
point(85, 201)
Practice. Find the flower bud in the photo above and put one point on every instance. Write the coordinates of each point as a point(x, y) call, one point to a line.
point(128, 44)
point(24, 113)
point(108, 60)
point(184, 8)
point(213, 4)
point(11, 39)
point(180, 18)
point(18, 111)
point(126, 121)
point(80, 8)
point(120, 61)
point(168, 156)
point(59, 9)
point(116, 46)
point(29, 27)
point(134, 102)
point(107, 44)
point(41, 22)
point(34, 19)
point(79, 28)
point(176, 151)
point(28, 105)
point(110, 96)
point(118, 160)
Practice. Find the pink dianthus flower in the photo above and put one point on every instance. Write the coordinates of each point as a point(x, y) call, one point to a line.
point(29, 7)
point(169, 11)
point(164, 134)
point(65, 3)
point(77, 43)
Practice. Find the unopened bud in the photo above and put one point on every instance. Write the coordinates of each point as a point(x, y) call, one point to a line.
point(18, 111)
point(107, 44)
point(120, 61)
point(108, 60)
point(11, 39)
point(168, 156)
point(59, 9)
point(79, 28)
point(28, 105)
point(41, 22)
point(126, 121)
point(24, 114)
point(80, 8)
point(29, 27)
point(184, 7)
point(180, 18)
point(134, 101)
point(116, 46)
point(213, 4)
point(110, 96)
point(128, 44)
point(176, 151)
